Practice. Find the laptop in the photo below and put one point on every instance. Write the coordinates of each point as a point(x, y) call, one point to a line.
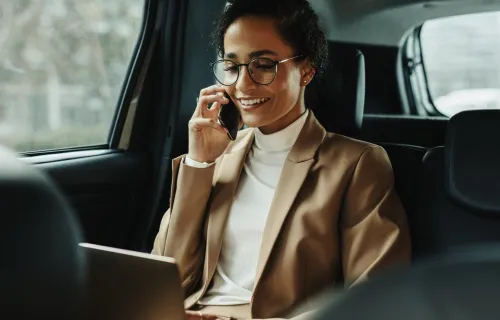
point(130, 285)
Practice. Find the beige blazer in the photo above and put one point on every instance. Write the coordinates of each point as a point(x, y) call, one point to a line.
point(335, 219)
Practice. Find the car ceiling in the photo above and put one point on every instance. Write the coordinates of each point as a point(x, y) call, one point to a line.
point(385, 22)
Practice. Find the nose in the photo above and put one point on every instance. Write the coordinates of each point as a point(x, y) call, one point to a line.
point(245, 82)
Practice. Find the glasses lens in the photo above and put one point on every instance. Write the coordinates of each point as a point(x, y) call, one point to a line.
point(226, 72)
point(262, 70)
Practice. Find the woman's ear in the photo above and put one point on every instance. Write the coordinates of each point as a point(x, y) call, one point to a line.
point(307, 75)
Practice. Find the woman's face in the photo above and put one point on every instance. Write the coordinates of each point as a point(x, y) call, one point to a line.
point(251, 37)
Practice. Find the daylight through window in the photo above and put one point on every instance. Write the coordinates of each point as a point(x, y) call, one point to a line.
point(62, 66)
point(462, 62)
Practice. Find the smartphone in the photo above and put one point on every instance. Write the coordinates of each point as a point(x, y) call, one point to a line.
point(229, 117)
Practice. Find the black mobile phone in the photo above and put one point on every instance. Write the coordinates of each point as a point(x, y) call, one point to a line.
point(229, 118)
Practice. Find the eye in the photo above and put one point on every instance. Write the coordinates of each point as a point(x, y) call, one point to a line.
point(264, 65)
point(231, 69)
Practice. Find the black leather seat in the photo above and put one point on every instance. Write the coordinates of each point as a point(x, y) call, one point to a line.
point(42, 273)
point(462, 286)
point(459, 198)
point(406, 163)
point(337, 99)
point(338, 96)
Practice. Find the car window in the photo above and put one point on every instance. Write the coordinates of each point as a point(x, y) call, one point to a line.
point(62, 65)
point(461, 56)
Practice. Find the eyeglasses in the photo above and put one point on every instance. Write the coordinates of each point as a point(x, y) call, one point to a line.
point(262, 70)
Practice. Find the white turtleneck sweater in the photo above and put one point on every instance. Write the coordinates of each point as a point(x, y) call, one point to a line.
point(234, 278)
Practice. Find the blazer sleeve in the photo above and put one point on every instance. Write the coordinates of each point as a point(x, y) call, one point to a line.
point(181, 233)
point(373, 223)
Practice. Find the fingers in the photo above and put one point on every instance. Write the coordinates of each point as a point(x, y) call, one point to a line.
point(212, 90)
point(210, 99)
point(211, 111)
point(196, 315)
point(204, 101)
point(198, 124)
point(193, 315)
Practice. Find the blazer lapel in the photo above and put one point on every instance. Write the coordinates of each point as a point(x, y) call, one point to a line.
point(297, 166)
point(222, 199)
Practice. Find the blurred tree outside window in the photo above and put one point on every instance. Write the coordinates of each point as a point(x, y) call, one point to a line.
point(62, 67)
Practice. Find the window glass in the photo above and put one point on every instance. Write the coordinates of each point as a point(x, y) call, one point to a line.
point(62, 66)
point(461, 55)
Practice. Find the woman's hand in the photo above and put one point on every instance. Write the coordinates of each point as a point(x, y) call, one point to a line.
point(207, 138)
point(197, 315)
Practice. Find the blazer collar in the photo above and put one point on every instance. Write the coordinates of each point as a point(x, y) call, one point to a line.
point(294, 172)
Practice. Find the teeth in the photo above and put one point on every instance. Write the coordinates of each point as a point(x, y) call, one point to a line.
point(253, 101)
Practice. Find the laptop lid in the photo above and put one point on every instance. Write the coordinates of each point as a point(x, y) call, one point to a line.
point(129, 285)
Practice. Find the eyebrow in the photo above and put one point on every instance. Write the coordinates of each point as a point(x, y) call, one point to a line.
point(255, 54)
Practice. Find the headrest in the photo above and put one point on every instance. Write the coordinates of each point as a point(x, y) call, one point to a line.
point(337, 97)
point(42, 270)
point(472, 154)
point(462, 285)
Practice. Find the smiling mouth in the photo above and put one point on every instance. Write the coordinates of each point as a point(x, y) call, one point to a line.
point(250, 104)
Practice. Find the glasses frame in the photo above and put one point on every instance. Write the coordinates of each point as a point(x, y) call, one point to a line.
point(239, 65)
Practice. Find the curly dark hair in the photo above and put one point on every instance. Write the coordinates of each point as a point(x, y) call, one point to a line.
point(296, 22)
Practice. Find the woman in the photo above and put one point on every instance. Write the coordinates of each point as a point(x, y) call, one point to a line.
point(260, 225)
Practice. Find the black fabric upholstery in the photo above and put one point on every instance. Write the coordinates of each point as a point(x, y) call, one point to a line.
point(338, 96)
point(463, 286)
point(337, 99)
point(42, 271)
point(458, 192)
point(472, 158)
point(438, 224)
point(427, 132)
point(406, 162)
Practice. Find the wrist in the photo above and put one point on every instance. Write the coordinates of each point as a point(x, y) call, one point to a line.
point(200, 159)
point(197, 164)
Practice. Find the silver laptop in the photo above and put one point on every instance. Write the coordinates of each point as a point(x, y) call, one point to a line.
point(129, 285)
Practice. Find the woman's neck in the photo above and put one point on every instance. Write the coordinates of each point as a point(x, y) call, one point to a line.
point(284, 121)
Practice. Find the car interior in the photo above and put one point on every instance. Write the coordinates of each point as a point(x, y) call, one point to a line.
point(380, 86)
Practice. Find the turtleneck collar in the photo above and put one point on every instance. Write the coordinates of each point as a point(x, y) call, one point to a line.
point(282, 140)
